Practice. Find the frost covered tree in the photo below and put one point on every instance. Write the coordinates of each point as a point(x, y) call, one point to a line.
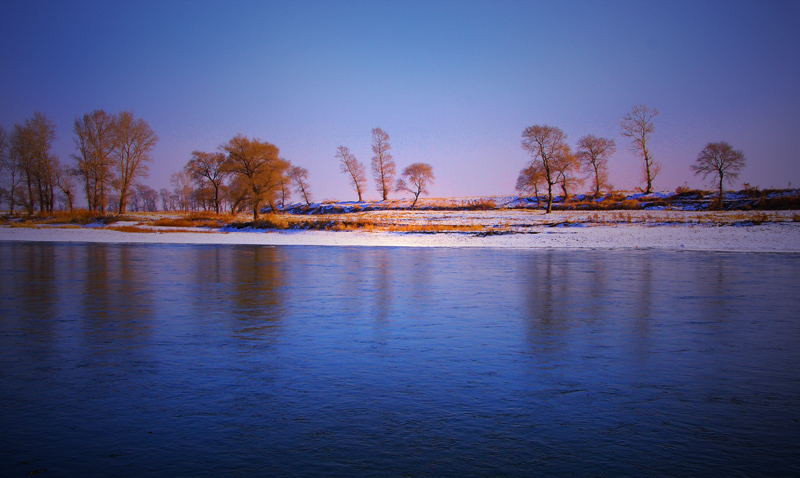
point(355, 170)
point(638, 126)
point(415, 179)
point(594, 153)
point(545, 144)
point(383, 167)
point(720, 161)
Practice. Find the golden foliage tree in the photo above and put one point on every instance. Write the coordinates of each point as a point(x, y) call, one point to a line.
point(258, 164)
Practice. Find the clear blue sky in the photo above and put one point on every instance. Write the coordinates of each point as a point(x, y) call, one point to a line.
point(454, 83)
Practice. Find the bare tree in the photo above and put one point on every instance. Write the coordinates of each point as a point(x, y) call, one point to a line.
point(545, 144)
point(146, 196)
point(212, 167)
point(65, 180)
point(638, 126)
point(259, 164)
point(355, 169)
point(9, 169)
point(163, 194)
point(594, 153)
point(181, 183)
point(383, 168)
point(722, 162)
point(530, 179)
point(284, 190)
point(299, 177)
point(415, 179)
point(94, 142)
point(133, 141)
point(30, 149)
point(567, 165)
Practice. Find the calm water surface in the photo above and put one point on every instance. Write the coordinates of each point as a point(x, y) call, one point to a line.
point(226, 361)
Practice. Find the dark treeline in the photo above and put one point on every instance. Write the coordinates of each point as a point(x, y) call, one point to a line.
point(111, 156)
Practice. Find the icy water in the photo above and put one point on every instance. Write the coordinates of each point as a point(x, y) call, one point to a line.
point(134, 360)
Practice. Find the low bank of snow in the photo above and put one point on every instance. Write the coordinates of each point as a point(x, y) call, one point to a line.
point(768, 237)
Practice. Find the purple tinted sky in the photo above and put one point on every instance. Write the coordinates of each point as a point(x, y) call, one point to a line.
point(454, 83)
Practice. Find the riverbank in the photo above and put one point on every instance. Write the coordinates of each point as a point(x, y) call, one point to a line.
point(767, 237)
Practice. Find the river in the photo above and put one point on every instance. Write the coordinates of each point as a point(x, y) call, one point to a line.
point(176, 360)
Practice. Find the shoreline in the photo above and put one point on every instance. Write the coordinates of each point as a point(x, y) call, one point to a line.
point(767, 238)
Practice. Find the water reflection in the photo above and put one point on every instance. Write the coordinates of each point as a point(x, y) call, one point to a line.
point(188, 360)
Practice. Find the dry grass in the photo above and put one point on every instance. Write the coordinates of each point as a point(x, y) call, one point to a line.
point(197, 219)
point(25, 224)
point(77, 216)
point(480, 205)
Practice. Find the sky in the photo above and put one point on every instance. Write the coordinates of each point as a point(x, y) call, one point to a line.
point(453, 83)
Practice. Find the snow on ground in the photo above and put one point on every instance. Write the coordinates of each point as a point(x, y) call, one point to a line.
point(767, 237)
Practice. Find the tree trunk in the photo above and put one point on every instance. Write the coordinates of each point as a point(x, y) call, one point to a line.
point(596, 182)
point(549, 197)
point(647, 173)
point(29, 205)
point(416, 196)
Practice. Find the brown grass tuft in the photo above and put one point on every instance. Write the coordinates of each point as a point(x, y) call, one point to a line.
point(78, 216)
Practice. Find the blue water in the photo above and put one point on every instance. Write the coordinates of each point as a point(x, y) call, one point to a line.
point(137, 360)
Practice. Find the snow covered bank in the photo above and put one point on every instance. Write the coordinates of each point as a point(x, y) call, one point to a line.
point(768, 237)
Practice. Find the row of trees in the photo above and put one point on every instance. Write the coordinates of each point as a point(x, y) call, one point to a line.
point(553, 162)
point(244, 173)
point(250, 173)
point(31, 173)
point(414, 179)
point(112, 152)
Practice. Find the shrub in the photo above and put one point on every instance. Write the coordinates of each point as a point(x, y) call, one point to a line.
point(684, 193)
point(480, 205)
point(202, 219)
point(780, 203)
